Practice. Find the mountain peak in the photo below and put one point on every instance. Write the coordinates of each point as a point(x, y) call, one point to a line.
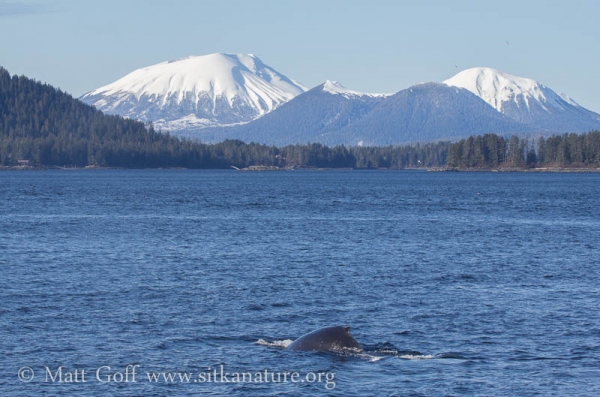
point(497, 88)
point(525, 100)
point(335, 88)
point(218, 88)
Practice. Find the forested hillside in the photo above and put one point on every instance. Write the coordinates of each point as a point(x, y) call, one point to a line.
point(49, 127)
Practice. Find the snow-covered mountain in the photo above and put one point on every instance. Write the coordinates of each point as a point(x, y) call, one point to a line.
point(197, 92)
point(333, 115)
point(526, 101)
point(309, 117)
point(421, 113)
point(474, 102)
point(232, 96)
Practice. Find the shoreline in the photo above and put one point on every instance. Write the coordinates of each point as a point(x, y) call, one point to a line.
point(525, 170)
point(253, 169)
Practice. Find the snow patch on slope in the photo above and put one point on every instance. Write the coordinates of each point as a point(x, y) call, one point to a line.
point(335, 88)
point(497, 88)
point(568, 99)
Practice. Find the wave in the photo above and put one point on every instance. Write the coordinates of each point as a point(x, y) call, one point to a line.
point(416, 357)
point(371, 354)
point(277, 343)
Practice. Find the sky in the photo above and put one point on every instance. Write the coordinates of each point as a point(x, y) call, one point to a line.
point(369, 46)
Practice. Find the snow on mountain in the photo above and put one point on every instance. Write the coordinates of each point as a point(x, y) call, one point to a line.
point(526, 101)
point(497, 88)
point(309, 117)
point(233, 96)
point(335, 88)
point(422, 113)
point(197, 92)
point(332, 115)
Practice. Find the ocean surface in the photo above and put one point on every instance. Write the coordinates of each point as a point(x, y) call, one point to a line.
point(456, 284)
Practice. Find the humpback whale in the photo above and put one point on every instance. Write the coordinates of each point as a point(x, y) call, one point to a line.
point(326, 339)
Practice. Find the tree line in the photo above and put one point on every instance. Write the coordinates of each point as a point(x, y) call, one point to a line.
point(493, 151)
point(316, 155)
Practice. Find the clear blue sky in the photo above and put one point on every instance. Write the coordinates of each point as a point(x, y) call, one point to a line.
point(371, 46)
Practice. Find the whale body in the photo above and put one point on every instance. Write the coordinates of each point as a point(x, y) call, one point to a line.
point(326, 339)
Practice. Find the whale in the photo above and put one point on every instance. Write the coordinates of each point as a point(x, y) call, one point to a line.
point(328, 339)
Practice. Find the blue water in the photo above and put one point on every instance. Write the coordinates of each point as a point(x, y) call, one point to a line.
point(456, 284)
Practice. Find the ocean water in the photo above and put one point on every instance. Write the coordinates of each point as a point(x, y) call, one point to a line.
point(456, 284)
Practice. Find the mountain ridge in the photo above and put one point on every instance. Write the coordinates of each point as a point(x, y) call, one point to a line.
point(304, 118)
point(234, 96)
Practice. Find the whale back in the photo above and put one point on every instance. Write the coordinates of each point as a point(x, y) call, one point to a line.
point(326, 339)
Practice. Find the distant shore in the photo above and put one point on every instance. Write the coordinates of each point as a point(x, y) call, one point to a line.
point(46, 168)
point(262, 168)
point(543, 169)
